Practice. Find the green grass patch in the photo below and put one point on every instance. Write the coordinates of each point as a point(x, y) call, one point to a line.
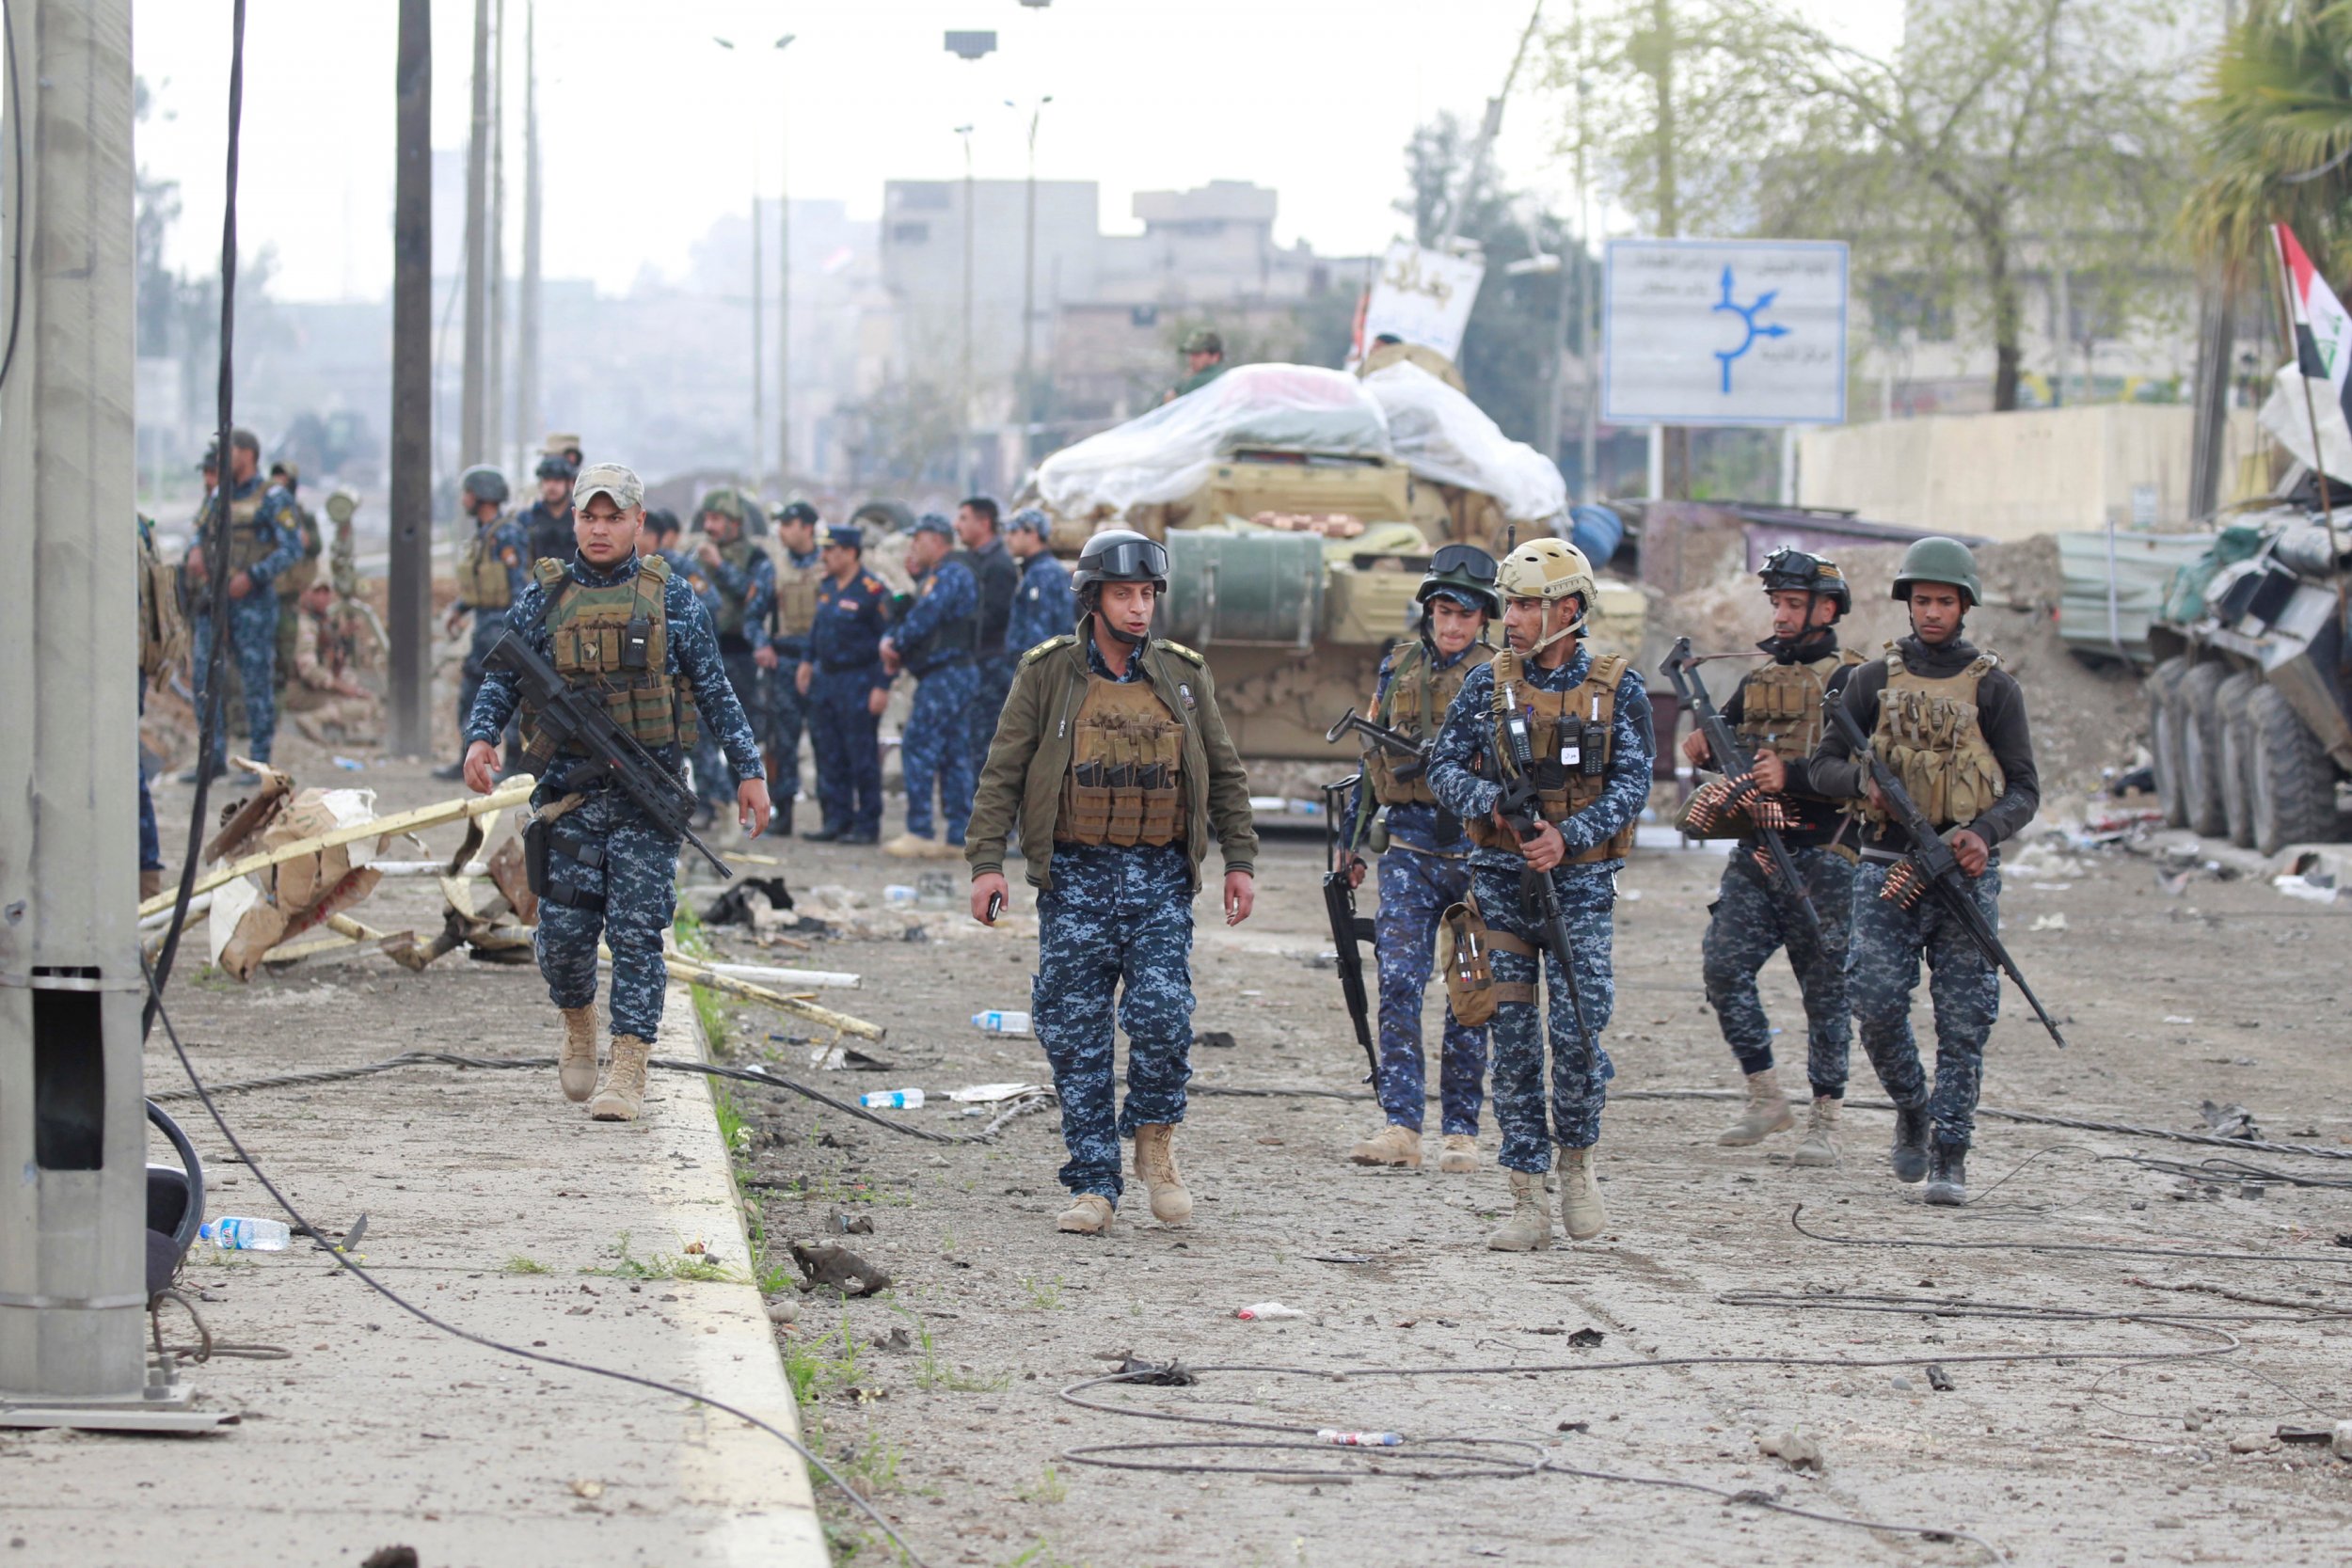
point(1044, 1294)
point(666, 1265)
point(520, 1264)
point(1050, 1488)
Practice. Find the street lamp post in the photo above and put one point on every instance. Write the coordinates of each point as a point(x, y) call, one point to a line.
point(784, 286)
point(759, 410)
point(1028, 281)
point(963, 383)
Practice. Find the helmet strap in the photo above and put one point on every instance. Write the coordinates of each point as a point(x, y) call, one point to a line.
point(1573, 628)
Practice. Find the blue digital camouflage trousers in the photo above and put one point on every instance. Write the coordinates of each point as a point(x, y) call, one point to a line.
point(1579, 1081)
point(936, 750)
point(1115, 920)
point(253, 649)
point(1882, 972)
point(842, 733)
point(714, 781)
point(1415, 889)
point(787, 718)
point(1751, 916)
point(150, 843)
point(638, 882)
point(988, 705)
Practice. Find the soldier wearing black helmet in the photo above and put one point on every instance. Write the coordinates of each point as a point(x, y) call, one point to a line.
point(1952, 722)
point(1424, 865)
point(547, 523)
point(1112, 756)
point(1777, 715)
point(491, 570)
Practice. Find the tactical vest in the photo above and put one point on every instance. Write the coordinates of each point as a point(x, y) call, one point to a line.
point(615, 642)
point(1418, 695)
point(1126, 763)
point(728, 622)
point(1556, 722)
point(958, 636)
point(247, 542)
point(305, 571)
point(796, 596)
point(482, 579)
point(162, 631)
point(1780, 704)
point(1929, 733)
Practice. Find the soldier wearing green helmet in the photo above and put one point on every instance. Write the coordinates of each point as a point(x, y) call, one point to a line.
point(1945, 717)
point(1205, 362)
point(731, 574)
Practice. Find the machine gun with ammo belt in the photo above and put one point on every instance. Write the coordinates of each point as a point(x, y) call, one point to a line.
point(1737, 790)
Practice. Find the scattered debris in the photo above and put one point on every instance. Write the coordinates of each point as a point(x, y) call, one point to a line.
point(1938, 1379)
point(1216, 1039)
point(1798, 1453)
point(2229, 1121)
point(391, 1556)
point(590, 1490)
point(783, 1311)
point(1586, 1339)
point(1156, 1375)
point(2250, 1442)
point(845, 1225)
point(2305, 888)
point(1339, 1257)
point(754, 901)
point(834, 1268)
point(2048, 922)
point(1267, 1311)
point(898, 1340)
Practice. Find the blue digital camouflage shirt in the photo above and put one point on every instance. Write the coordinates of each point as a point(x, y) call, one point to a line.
point(275, 518)
point(1043, 604)
point(947, 593)
point(692, 657)
point(1468, 733)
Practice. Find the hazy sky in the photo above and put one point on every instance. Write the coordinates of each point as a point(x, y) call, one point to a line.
point(649, 129)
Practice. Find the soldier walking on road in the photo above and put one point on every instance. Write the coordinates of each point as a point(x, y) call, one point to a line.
point(934, 643)
point(261, 544)
point(1777, 716)
point(843, 680)
point(624, 628)
point(1425, 866)
point(490, 574)
point(1042, 606)
point(1587, 721)
point(738, 573)
point(1951, 724)
point(786, 650)
point(1114, 760)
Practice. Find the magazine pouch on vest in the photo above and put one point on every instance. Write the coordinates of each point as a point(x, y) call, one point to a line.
point(1573, 732)
point(615, 640)
point(1927, 732)
point(1126, 763)
point(1415, 703)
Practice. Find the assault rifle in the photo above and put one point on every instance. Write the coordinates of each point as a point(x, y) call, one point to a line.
point(1738, 771)
point(578, 719)
point(1932, 867)
point(1517, 807)
point(1397, 742)
point(1349, 929)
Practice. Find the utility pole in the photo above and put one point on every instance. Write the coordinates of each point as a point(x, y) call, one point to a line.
point(409, 627)
point(759, 284)
point(1589, 444)
point(526, 423)
point(494, 377)
point(963, 380)
point(1026, 410)
point(1488, 127)
point(472, 426)
point(72, 1133)
point(784, 290)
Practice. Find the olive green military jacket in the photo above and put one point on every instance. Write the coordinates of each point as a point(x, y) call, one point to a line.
point(1030, 757)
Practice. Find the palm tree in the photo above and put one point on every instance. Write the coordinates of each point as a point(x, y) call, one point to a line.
point(2278, 139)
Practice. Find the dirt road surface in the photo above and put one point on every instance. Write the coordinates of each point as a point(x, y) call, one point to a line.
point(2142, 1434)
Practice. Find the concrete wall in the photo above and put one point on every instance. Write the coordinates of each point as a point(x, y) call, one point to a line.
point(2010, 476)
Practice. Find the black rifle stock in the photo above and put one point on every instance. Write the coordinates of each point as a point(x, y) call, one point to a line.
point(1736, 765)
point(578, 719)
point(1396, 741)
point(1349, 930)
point(1936, 866)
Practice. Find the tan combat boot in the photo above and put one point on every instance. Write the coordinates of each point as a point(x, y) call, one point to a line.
point(1529, 1228)
point(577, 1066)
point(1088, 1214)
point(1392, 1146)
point(1155, 1168)
point(621, 1095)
point(1766, 1113)
point(1581, 1210)
point(150, 883)
point(1820, 1135)
point(907, 847)
point(1461, 1153)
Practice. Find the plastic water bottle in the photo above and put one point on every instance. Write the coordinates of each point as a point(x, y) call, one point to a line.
point(898, 893)
point(233, 1234)
point(1002, 1022)
point(892, 1100)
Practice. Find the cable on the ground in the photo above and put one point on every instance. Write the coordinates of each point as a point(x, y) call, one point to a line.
point(206, 1346)
point(343, 1260)
point(2065, 1247)
point(2232, 1170)
point(17, 116)
point(1965, 1307)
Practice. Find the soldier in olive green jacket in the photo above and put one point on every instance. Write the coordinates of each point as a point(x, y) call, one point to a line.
point(1111, 755)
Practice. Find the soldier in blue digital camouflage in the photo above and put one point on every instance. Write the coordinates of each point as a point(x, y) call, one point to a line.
point(1951, 724)
point(1585, 720)
point(262, 543)
point(1042, 604)
point(1113, 759)
point(547, 523)
point(491, 569)
point(1425, 866)
point(798, 569)
point(740, 581)
point(1777, 716)
point(624, 627)
point(934, 643)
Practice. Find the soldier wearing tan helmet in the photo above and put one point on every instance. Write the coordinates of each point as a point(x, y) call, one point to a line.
point(1545, 755)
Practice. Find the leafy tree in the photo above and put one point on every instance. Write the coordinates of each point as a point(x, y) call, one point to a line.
point(2276, 119)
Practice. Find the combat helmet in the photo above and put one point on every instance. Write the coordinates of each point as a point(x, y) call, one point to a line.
point(1789, 570)
point(1938, 560)
point(554, 465)
point(1466, 574)
point(484, 483)
point(1121, 555)
point(1203, 339)
point(724, 501)
point(1549, 569)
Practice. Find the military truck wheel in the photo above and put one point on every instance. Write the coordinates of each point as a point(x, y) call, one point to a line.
point(2164, 742)
point(2198, 718)
point(2237, 753)
point(2294, 780)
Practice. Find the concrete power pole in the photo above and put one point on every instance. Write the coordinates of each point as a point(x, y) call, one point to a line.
point(72, 1134)
point(783, 291)
point(527, 424)
point(411, 628)
point(494, 375)
point(472, 417)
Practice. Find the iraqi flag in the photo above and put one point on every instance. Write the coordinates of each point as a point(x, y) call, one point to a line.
point(2323, 362)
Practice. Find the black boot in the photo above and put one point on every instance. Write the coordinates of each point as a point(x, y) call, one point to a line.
point(1910, 1155)
point(826, 834)
point(1947, 1174)
point(780, 820)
